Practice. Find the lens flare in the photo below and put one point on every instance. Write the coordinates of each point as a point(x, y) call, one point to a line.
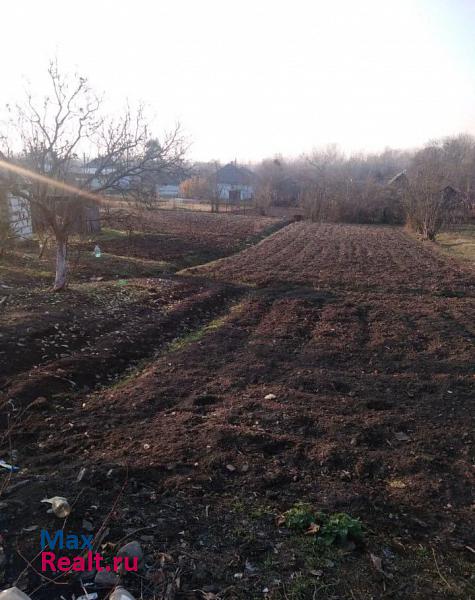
point(61, 185)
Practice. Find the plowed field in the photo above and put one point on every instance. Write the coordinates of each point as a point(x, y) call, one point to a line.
point(342, 377)
point(355, 257)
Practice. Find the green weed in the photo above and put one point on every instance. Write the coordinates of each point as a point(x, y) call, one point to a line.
point(300, 517)
point(337, 528)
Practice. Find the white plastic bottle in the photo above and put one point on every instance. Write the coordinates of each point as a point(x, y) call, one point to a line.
point(13, 593)
point(97, 251)
point(121, 593)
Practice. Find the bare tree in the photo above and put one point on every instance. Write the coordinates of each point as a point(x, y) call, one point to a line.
point(202, 183)
point(196, 188)
point(430, 198)
point(215, 188)
point(54, 132)
point(459, 155)
point(275, 185)
point(325, 184)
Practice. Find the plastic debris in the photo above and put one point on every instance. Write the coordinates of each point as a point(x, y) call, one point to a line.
point(8, 467)
point(82, 472)
point(59, 506)
point(97, 251)
point(92, 596)
point(30, 528)
point(270, 397)
point(121, 593)
point(14, 593)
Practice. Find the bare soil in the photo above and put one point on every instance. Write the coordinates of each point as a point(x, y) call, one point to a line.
point(353, 257)
point(362, 340)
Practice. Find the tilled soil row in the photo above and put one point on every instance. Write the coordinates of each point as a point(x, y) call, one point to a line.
point(118, 344)
point(296, 395)
point(344, 257)
point(39, 328)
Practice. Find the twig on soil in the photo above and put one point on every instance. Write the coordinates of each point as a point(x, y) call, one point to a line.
point(53, 580)
point(101, 529)
point(41, 575)
point(136, 531)
point(438, 570)
point(114, 505)
point(285, 592)
point(324, 586)
point(70, 381)
point(29, 563)
point(5, 483)
point(83, 588)
point(12, 425)
point(9, 475)
point(72, 506)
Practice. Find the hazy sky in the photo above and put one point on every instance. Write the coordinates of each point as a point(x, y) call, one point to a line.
point(249, 79)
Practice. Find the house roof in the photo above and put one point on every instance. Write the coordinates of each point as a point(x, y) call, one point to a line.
point(399, 179)
point(234, 175)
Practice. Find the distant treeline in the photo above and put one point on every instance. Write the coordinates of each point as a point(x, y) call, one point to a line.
point(389, 187)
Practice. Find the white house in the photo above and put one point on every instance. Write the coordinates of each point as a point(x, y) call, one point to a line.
point(168, 190)
point(235, 183)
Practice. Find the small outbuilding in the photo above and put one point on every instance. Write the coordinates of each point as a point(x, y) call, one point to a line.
point(15, 215)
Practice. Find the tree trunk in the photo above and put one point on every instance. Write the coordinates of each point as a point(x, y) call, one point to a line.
point(61, 265)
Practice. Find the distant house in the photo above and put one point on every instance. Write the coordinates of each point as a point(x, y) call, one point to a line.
point(168, 190)
point(450, 195)
point(453, 200)
point(163, 185)
point(168, 186)
point(399, 181)
point(235, 183)
point(100, 176)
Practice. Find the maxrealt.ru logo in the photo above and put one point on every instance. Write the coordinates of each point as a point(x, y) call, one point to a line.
point(87, 560)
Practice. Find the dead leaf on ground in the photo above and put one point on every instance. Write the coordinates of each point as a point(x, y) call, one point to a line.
point(397, 484)
point(313, 529)
point(377, 563)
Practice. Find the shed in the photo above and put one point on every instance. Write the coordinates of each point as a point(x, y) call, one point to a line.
point(15, 215)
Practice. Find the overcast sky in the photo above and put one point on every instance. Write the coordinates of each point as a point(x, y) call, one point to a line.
point(252, 78)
